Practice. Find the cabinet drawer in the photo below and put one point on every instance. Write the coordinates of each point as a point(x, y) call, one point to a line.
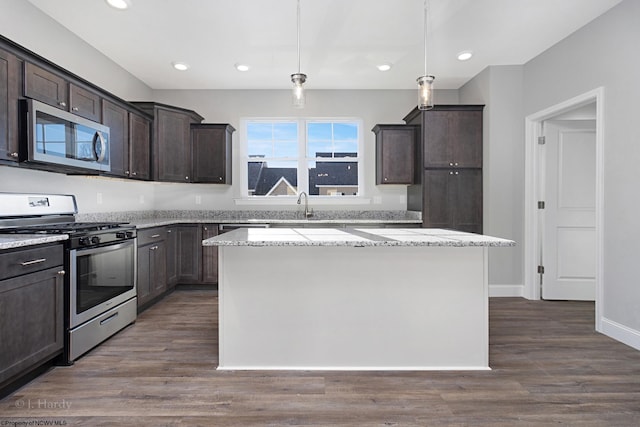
point(151, 235)
point(17, 263)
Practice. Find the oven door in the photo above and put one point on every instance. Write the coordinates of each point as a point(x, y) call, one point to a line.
point(100, 279)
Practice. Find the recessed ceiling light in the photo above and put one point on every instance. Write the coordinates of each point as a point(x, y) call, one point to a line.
point(465, 55)
point(119, 4)
point(180, 66)
point(384, 67)
point(242, 67)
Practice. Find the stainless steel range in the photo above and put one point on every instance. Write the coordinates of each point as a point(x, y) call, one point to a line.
point(100, 260)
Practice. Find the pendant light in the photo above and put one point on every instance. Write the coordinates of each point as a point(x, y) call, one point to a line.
point(425, 82)
point(298, 78)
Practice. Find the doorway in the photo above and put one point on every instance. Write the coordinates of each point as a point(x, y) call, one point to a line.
point(564, 201)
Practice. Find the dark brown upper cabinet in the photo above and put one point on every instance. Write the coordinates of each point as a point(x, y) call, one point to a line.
point(395, 154)
point(54, 89)
point(85, 103)
point(117, 119)
point(171, 141)
point(45, 86)
point(451, 135)
point(139, 147)
point(10, 87)
point(211, 150)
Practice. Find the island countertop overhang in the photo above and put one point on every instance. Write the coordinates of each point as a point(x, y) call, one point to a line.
point(356, 237)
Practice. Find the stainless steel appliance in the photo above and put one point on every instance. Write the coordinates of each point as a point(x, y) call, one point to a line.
point(64, 140)
point(100, 260)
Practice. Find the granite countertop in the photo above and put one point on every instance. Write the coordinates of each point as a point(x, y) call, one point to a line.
point(353, 237)
point(148, 219)
point(10, 241)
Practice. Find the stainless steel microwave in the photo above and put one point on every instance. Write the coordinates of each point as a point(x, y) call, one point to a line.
point(67, 141)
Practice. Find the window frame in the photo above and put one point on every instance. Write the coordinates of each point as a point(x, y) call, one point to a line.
point(302, 162)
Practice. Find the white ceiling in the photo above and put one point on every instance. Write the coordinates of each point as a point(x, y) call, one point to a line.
point(342, 41)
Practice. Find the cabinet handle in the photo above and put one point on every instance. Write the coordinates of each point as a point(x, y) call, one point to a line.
point(155, 235)
point(455, 164)
point(450, 172)
point(62, 104)
point(126, 173)
point(456, 173)
point(75, 109)
point(14, 155)
point(186, 177)
point(450, 163)
point(134, 173)
point(386, 179)
point(62, 272)
point(220, 179)
point(32, 262)
point(169, 231)
point(153, 248)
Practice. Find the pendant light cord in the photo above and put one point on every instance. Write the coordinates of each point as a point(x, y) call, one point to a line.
point(298, 17)
point(425, 36)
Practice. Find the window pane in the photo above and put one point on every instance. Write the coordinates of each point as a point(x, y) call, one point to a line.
point(278, 139)
point(272, 178)
point(316, 131)
point(344, 131)
point(319, 149)
point(333, 178)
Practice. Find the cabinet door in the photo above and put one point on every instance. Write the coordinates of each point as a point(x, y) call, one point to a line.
point(144, 275)
point(435, 135)
point(467, 200)
point(395, 148)
point(117, 119)
point(45, 86)
point(466, 138)
point(172, 256)
point(139, 147)
point(437, 204)
point(452, 139)
point(452, 198)
point(211, 153)
point(189, 253)
point(158, 268)
point(85, 103)
point(209, 255)
point(31, 308)
point(173, 154)
point(10, 86)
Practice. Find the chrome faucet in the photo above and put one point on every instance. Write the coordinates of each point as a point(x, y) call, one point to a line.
point(308, 213)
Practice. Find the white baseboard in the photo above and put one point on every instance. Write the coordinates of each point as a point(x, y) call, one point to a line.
point(621, 333)
point(506, 290)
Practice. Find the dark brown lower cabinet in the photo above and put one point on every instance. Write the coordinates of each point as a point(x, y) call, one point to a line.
point(31, 320)
point(172, 256)
point(452, 198)
point(196, 264)
point(152, 264)
point(209, 255)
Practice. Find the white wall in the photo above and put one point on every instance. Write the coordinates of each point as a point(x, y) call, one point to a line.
point(500, 88)
point(603, 53)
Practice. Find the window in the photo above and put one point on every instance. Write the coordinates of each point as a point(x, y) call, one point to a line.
point(286, 157)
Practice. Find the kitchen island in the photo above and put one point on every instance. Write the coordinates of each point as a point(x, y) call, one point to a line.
point(353, 299)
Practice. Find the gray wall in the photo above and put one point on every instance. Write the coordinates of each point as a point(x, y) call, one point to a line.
point(500, 89)
point(604, 53)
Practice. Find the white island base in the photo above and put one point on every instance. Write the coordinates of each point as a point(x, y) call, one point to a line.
point(353, 308)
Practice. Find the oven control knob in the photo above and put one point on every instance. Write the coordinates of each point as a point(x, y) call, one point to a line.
point(121, 235)
point(95, 240)
point(130, 234)
point(84, 241)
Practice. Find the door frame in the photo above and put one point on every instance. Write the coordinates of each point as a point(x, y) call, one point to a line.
point(533, 164)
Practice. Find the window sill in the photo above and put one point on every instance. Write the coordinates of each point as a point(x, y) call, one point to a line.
point(313, 200)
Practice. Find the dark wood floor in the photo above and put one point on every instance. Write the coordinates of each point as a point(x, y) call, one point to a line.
point(549, 368)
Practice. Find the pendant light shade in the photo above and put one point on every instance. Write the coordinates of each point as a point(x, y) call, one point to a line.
point(425, 82)
point(298, 79)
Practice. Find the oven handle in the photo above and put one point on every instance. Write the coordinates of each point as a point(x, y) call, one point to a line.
point(106, 248)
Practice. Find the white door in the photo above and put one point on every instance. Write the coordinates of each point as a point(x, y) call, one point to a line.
point(568, 229)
